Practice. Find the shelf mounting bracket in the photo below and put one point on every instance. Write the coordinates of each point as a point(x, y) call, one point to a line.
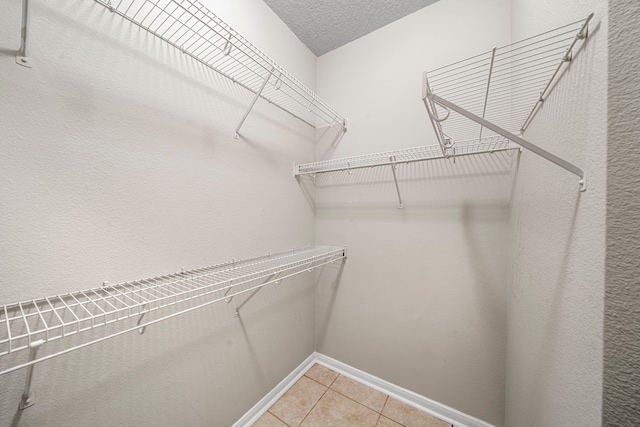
point(255, 99)
point(141, 329)
point(271, 278)
point(568, 57)
point(22, 56)
point(444, 141)
point(394, 166)
point(518, 140)
point(28, 397)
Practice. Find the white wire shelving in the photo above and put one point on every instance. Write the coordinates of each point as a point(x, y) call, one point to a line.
point(134, 305)
point(500, 91)
point(392, 159)
point(405, 155)
point(197, 32)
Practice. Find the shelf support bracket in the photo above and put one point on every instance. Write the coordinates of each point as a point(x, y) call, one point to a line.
point(141, 329)
point(22, 56)
point(255, 99)
point(28, 397)
point(444, 141)
point(255, 291)
point(394, 166)
point(568, 57)
point(228, 299)
point(518, 140)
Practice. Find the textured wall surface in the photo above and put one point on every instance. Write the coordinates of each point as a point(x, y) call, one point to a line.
point(621, 405)
point(422, 300)
point(555, 301)
point(118, 163)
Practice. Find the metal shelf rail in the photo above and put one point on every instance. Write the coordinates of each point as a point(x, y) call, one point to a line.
point(29, 324)
point(197, 32)
point(394, 158)
point(500, 91)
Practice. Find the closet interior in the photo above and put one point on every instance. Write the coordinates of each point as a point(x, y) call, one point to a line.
point(482, 105)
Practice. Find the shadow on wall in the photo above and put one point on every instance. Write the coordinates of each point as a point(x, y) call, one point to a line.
point(556, 293)
point(101, 35)
point(329, 137)
point(109, 369)
point(482, 263)
point(309, 190)
point(201, 346)
point(325, 300)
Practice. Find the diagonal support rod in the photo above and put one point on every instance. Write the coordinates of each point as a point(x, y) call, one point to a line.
point(255, 99)
point(518, 140)
point(443, 140)
point(28, 397)
point(255, 291)
point(392, 159)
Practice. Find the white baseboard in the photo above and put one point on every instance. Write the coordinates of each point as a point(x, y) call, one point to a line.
point(272, 397)
point(444, 412)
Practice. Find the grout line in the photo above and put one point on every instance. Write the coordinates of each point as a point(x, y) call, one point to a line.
point(378, 420)
point(389, 418)
point(392, 420)
point(316, 381)
point(325, 392)
point(278, 418)
point(334, 380)
point(329, 387)
point(421, 403)
point(314, 405)
point(385, 404)
point(353, 400)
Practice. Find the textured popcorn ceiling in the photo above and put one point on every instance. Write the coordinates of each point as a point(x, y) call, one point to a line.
point(328, 24)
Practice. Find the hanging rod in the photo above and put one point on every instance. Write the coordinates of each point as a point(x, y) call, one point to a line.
point(501, 91)
point(197, 32)
point(489, 144)
point(31, 324)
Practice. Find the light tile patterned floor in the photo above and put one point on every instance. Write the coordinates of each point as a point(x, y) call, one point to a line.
point(323, 398)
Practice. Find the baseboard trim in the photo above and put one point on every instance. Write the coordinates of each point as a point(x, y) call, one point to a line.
point(272, 397)
point(444, 412)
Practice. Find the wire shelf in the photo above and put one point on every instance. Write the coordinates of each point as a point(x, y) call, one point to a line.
point(196, 31)
point(505, 85)
point(52, 318)
point(499, 92)
point(406, 155)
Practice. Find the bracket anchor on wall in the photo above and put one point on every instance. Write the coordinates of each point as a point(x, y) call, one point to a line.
point(394, 166)
point(29, 397)
point(255, 99)
point(272, 278)
point(22, 56)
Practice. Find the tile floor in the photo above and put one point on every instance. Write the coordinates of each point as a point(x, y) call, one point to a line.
point(324, 398)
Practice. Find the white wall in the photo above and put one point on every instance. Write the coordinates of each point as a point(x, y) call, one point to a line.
point(118, 163)
point(555, 304)
point(422, 298)
point(621, 383)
